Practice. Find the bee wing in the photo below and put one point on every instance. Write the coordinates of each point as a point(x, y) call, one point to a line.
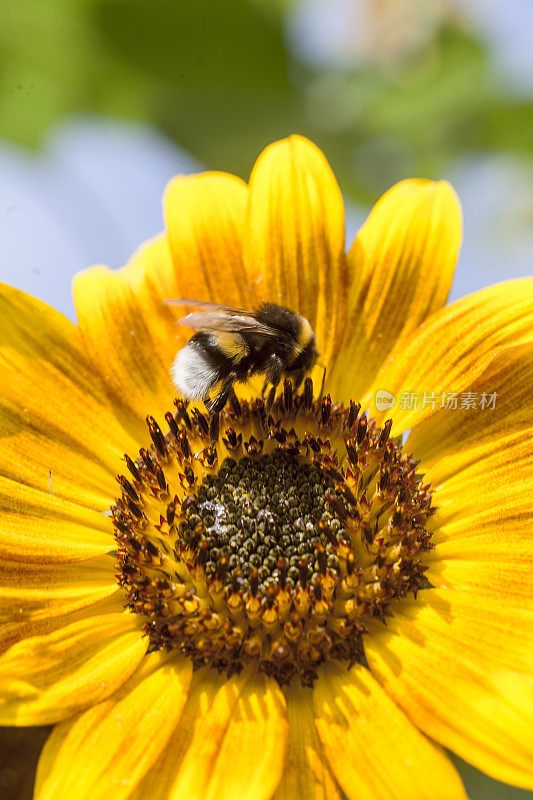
point(220, 318)
point(224, 321)
point(215, 307)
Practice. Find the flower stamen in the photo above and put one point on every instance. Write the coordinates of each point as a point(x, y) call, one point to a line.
point(275, 541)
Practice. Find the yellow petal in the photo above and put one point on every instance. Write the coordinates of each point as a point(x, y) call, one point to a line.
point(480, 463)
point(15, 630)
point(153, 278)
point(105, 751)
point(38, 591)
point(48, 678)
point(452, 349)
point(158, 780)
point(483, 528)
point(499, 562)
point(129, 334)
point(455, 467)
point(153, 261)
point(373, 749)
point(40, 527)
point(205, 218)
point(454, 434)
point(306, 773)
point(295, 236)
point(400, 266)
point(304, 766)
point(460, 666)
point(47, 460)
point(480, 629)
point(58, 431)
point(238, 743)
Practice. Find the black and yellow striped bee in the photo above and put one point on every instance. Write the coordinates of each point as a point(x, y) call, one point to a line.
point(233, 344)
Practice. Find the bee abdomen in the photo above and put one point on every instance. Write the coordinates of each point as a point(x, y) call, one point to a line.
point(193, 372)
point(205, 360)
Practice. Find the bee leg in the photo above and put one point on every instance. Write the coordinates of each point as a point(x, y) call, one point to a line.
point(270, 400)
point(298, 379)
point(216, 405)
point(214, 427)
point(274, 372)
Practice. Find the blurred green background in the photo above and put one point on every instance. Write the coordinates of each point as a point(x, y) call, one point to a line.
point(387, 88)
point(399, 87)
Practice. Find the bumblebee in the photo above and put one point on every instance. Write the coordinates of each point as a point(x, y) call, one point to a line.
point(233, 344)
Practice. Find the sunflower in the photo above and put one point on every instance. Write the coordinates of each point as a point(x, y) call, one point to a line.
point(317, 602)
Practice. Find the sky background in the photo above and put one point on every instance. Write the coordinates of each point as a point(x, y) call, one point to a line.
point(103, 101)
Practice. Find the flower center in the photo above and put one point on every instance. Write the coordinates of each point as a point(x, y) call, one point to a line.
point(265, 521)
point(275, 544)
